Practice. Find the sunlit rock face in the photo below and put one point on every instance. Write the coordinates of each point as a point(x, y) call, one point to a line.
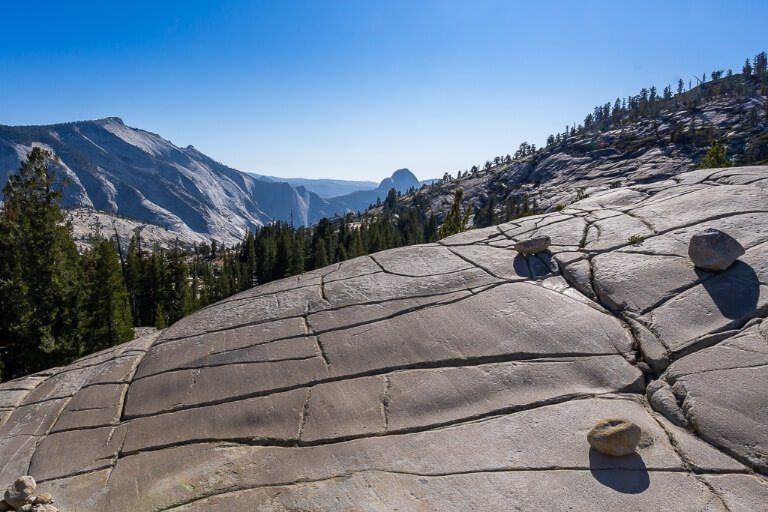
point(452, 376)
point(137, 174)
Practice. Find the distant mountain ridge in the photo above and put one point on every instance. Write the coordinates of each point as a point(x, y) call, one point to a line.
point(326, 187)
point(402, 180)
point(135, 173)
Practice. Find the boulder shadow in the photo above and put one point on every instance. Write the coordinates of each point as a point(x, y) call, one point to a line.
point(541, 264)
point(533, 266)
point(627, 475)
point(735, 291)
point(520, 265)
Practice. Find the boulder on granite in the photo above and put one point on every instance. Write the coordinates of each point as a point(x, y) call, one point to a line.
point(533, 245)
point(20, 491)
point(614, 436)
point(713, 249)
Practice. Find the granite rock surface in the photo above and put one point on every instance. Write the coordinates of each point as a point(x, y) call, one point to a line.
point(459, 376)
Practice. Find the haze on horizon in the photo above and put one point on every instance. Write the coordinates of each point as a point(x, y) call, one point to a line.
point(355, 90)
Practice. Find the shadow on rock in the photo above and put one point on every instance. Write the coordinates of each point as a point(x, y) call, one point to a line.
point(521, 266)
point(735, 292)
point(534, 266)
point(627, 474)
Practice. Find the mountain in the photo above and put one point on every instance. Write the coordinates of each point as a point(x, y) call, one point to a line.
point(459, 376)
point(648, 140)
point(401, 180)
point(327, 188)
point(358, 195)
point(138, 174)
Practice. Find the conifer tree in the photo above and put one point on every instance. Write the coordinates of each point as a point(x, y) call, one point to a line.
point(176, 287)
point(715, 157)
point(321, 254)
point(39, 271)
point(105, 313)
point(430, 229)
point(761, 64)
point(455, 220)
point(133, 275)
point(747, 69)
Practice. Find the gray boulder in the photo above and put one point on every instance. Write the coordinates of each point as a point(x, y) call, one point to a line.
point(714, 250)
point(533, 245)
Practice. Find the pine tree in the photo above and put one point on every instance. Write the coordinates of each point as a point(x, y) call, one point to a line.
point(715, 157)
point(176, 287)
point(39, 271)
point(455, 221)
point(747, 69)
point(761, 64)
point(486, 216)
point(133, 275)
point(321, 253)
point(105, 313)
point(161, 319)
point(390, 203)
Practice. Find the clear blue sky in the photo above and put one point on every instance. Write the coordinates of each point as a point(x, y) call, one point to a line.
point(355, 89)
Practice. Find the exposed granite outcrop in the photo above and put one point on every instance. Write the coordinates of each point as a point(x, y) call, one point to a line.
point(452, 376)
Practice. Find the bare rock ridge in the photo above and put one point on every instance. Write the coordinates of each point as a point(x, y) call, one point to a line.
point(641, 150)
point(122, 176)
point(138, 174)
point(454, 376)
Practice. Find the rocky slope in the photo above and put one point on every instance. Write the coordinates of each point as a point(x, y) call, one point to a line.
point(452, 376)
point(87, 222)
point(639, 149)
point(140, 175)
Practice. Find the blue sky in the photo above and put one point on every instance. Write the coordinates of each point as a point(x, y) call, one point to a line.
point(355, 89)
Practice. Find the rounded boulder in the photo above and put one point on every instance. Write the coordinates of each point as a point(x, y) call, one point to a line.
point(713, 249)
point(614, 436)
point(533, 245)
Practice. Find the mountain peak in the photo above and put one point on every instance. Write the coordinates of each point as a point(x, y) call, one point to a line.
point(111, 120)
point(401, 180)
point(404, 174)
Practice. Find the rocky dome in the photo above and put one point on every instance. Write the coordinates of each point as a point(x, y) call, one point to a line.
point(452, 376)
point(401, 180)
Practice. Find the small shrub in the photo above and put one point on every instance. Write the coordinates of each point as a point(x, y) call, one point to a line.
point(636, 239)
